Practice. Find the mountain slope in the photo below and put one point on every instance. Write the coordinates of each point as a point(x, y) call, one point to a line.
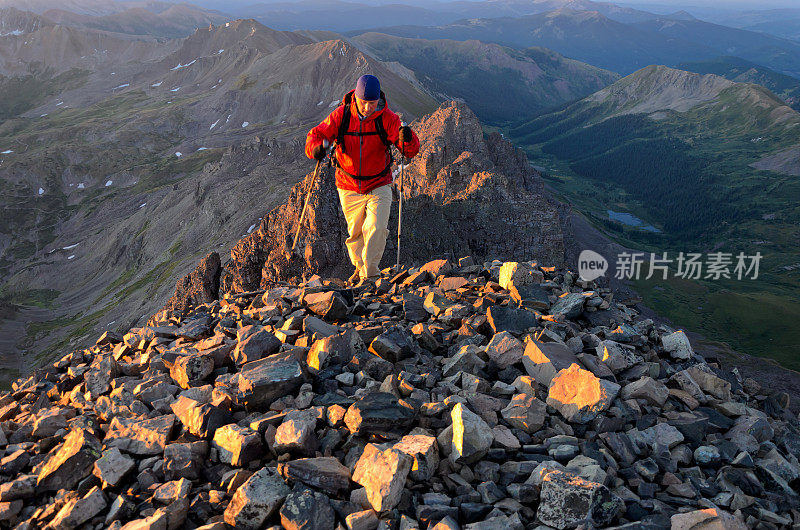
point(741, 71)
point(706, 161)
point(150, 163)
point(527, 81)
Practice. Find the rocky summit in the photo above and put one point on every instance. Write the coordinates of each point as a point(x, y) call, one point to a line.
point(501, 395)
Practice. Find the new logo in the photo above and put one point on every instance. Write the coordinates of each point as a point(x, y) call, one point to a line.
point(591, 265)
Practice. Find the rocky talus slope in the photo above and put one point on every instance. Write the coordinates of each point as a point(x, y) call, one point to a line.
point(502, 395)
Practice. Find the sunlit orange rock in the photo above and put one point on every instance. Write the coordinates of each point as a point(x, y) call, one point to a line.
point(579, 395)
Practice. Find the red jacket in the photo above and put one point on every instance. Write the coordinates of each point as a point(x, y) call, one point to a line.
point(363, 155)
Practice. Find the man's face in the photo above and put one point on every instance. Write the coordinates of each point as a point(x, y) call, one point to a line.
point(366, 107)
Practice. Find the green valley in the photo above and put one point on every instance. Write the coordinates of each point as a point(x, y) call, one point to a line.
point(680, 151)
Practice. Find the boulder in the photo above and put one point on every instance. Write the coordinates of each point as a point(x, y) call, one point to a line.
point(653, 392)
point(379, 413)
point(262, 382)
point(424, 450)
point(472, 436)
point(505, 350)
point(259, 344)
point(510, 319)
point(567, 501)
point(325, 473)
point(191, 370)
point(616, 356)
point(707, 519)
point(543, 360)
point(256, 500)
point(579, 395)
point(677, 345)
point(296, 433)
point(305, 509)
point(200, 419)
point(71, 463)
point(329, 305)
point(113, 466)
point(383, 475)
point(237, 445)
point(76, 512)
point(142, 437)
point(569, 304)
point(525, 412)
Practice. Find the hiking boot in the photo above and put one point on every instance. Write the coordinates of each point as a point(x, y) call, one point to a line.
point(368, 282)
point(354, 278)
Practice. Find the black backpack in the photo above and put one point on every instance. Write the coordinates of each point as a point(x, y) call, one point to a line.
point(380, 130)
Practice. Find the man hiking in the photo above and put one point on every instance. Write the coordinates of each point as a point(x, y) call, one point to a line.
point(364, 130)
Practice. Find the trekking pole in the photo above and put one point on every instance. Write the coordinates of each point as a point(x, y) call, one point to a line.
point(400, 204)
point(308, 197)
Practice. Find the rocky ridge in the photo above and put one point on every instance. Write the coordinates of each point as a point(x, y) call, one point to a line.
point(455, 394)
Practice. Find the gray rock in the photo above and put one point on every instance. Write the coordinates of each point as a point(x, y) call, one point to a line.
point(191, 370)
point(237, 445)
point(616, 356)
point(567, 501)
point(296, 433)
point(325, 473)
point(71, 463)
point(379, 413)
point(113, 466)
point(184, 460)
point(472, 436)
point(76, 512)
point(525, 412)
point(383, 475)
point(510, 319)
point(262, 382)
point(256, 346)
point(329, 305)
point(143, 437)
point(653, 392)
point(505, 350)
point(677, 345)
point(392, 345)
point(424, 450)
point(543, 360)
point(707, 519)
point(569, 304)
point(256, 500)
point(200, 419)
point(307, 510)
point(710, 383)
point(22, 487)
point(334, 350)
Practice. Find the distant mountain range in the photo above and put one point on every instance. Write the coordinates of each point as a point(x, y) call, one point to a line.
point(739, 70)
point(500, 84)
point(594, 38)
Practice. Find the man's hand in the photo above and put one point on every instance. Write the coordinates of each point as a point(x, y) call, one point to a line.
point(405, 134)
point(319, 152)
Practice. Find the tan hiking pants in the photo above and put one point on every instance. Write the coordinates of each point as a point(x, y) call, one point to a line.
point(367, 216)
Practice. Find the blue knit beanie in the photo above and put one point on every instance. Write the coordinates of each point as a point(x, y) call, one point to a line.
point(368, 88)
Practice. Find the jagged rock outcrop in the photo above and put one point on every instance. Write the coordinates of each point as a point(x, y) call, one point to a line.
point(463, 194)
point(199, 286)
point(411, 421)
point(265, 256)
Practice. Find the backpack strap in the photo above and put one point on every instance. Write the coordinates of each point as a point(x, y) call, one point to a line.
point(380, 130)
point(344, 123)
